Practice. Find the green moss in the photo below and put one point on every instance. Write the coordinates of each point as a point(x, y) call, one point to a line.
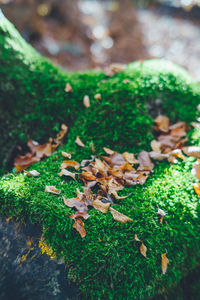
point(107, 260)
point(106, 263)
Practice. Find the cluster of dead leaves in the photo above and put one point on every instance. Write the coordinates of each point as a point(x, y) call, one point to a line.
point(37, 151)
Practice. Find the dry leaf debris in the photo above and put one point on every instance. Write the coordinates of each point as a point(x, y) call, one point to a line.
point(39, 151)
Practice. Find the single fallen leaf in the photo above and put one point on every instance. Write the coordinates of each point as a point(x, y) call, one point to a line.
point(60, 136)
point(158, 156)
point(66, 155)
point(156, 146)
point(116, 159)
point(164, 262)
point(79, 142)
point(79, 214)
point(195, 124)
point(32, 173)
point(192, 151)
point(87, 176)
point(143, 249)
point(67, 173)
point(175, 154)
point(70, 163)
point(161, 214)
point(86, 101)
point(119, 216)
point(99, 205)
point(68, 88)
point(162, 123)
point(99, 165)
point(130, 158)
point(196, 169)
point(22, 162)
point(196, 187)
point(145, 161)
point(178, 129)
point(77, 203)
point(136, 238)
point(79, 226)
point(52, 189)
point(108, 151)
point(97, 96)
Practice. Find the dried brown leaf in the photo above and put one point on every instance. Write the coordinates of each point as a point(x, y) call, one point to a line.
point(158, 156)
point(99, 205)
point(130, 158)
point(77, 203)
point(145, 161)
point(79, 226)
point(162, 123)
point(164, 262)
point(68, 88)
point(143, 249)
point(192, 151)
point(119, 216)
point(196, 169)
point(196, 187)
point(70, 163)
point(79, 214)
point(66, 155)
point(52, 189)
point(156, 146)
point(86, 101)
point(67, 173)
point(79, 142)
point(97, 96)
point(108, 151)
point(32, 173)
point(87, 176)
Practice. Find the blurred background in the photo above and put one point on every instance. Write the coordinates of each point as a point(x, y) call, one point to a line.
point(83, 34)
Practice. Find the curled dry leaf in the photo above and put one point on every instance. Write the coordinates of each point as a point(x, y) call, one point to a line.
point(67, 173)
point(156, 146)
point(77, 203)
point(79, 142)
point(119, 216)
point(143, 248)
point(24, 161)
point(145, 161)
point(87, 176)
point(158, 156)
point(108, 151)
point(99, 205)
point(196, 187)
point(86, 101)
point(79, 226)
point(162, 123)
point(66, 155)
point(68, 88)
point(177, 153)
point(60, 136)
point(196, 169)
point(192, 151)
point(79, 214)
point(32, 173)
point(52, 189)
point(164, 262)
point(70, 163)
point(161, 214)
point(130, 158)
point(97, 96)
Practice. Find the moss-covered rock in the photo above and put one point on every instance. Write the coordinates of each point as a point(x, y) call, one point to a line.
point(107, 263)
point(33, 102)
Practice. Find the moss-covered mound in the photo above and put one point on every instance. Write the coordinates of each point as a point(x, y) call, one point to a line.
point(106, 263)
point(33, 102)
